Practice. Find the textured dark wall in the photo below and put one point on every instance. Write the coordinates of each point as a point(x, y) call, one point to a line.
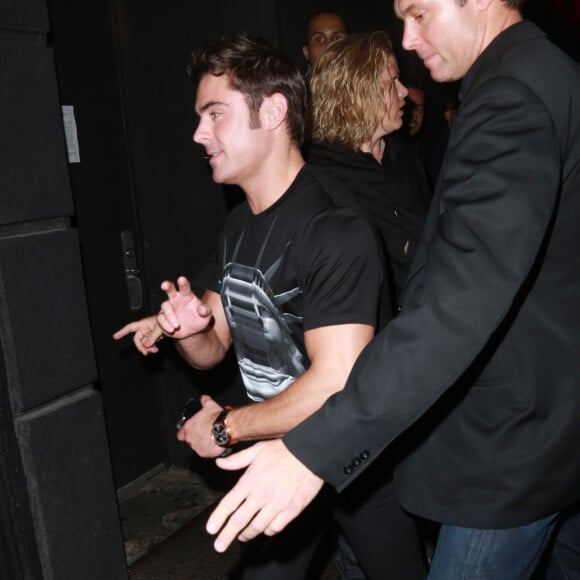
point(59, 501)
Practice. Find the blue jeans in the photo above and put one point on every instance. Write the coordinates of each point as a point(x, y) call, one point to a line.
point(564, 560)
point(471, 554)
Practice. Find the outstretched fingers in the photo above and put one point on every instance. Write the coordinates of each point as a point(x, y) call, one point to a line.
point(169, 288)
point(127, 329)
point(182, 314)
point(245, 523)
point(233, 508)
point(239, 515)
point(275, 488)
point(145, 334)
point(184, 286)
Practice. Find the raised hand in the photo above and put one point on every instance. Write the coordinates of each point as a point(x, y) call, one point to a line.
point(183, 314)
point(275, 489)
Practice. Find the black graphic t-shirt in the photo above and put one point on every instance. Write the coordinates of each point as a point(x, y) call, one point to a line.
point(301, 264)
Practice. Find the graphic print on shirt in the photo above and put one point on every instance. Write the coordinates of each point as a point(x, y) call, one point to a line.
point(268, 357)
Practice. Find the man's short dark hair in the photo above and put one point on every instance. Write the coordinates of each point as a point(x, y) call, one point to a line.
point(325, 10)
point(257, 70)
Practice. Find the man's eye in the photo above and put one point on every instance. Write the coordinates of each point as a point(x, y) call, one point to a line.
point(214, 115)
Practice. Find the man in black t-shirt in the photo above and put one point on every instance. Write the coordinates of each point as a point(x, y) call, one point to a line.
point(301, 264)
point(293, 273)
point(293, 286)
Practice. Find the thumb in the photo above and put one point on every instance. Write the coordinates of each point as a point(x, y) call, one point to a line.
point(204, 399)
point(239, 460)
point(203, 310)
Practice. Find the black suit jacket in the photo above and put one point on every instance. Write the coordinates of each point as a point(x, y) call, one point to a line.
point(481, 371)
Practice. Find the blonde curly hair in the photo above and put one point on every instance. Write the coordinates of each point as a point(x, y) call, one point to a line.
point(348, 88)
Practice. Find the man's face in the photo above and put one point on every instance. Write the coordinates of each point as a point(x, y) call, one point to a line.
point(235, 145)
point(322, 30)
point(445, 35)
point(416, 106)
point(450, 114)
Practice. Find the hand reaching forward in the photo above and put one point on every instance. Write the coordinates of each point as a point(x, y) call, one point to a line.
point(275, 489)
point(146, 334)
point(183, 314)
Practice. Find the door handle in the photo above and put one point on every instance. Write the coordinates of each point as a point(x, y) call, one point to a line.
point(132, 272)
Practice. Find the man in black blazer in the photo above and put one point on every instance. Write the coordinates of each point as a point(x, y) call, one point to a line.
point(479, 376)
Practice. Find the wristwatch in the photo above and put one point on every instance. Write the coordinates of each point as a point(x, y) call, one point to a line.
point(220, 432)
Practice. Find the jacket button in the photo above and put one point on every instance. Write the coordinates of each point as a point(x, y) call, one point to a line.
point(356, 462)
point(365, 455)
point(348, 469)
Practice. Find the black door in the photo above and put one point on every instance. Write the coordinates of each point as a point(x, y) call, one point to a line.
point(83, 40)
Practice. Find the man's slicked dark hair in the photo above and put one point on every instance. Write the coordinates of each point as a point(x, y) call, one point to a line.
point(257, 70)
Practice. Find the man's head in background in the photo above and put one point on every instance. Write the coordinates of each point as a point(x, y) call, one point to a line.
point(323, 28)
point(414, 109)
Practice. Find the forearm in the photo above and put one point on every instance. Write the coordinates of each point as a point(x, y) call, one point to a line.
point(202, 351)
point(199, 328)
point(332, 351)
point(276, 416)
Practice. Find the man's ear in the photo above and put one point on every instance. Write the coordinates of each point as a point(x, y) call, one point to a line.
point(306, 52)
point(275, 108)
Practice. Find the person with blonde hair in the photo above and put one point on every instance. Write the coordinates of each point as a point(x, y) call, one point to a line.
point(355, 85)
point(357, 100)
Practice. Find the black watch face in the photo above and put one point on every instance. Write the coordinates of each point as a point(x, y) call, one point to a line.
point(220, 434)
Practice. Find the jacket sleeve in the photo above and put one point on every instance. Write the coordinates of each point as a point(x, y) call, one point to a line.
point(498, 193)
